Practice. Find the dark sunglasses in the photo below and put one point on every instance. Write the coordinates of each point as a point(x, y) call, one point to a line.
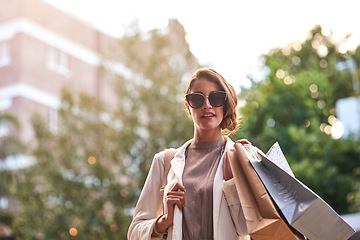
point(216, 99)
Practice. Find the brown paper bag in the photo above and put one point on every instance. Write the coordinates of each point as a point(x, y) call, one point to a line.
point(263, 221)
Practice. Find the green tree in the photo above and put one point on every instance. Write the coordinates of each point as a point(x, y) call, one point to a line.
point(10, 146)
point(295, 105)
point(77, 181)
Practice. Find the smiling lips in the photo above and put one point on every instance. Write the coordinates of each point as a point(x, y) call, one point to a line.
point(207, 115)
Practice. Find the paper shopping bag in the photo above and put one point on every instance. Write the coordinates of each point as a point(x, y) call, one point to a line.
point(263, 221)
point(303, 209)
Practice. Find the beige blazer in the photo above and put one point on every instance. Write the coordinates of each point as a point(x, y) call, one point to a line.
point(150, 206)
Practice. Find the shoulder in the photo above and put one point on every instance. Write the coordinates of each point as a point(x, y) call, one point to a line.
point(173, 151)
point(159, 157)
point(160, 154)
point(169, 152)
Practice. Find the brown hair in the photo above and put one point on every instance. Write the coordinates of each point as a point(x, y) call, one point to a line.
point(231, 119)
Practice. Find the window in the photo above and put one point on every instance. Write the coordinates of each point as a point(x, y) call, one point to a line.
point(4, 54)
point(58, 62)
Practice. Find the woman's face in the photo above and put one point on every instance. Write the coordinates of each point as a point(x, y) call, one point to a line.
point(206, 117)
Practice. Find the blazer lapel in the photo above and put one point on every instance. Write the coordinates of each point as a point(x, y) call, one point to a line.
point(177, 166)
point(178, 162)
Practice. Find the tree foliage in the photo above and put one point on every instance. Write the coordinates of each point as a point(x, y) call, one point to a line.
point(295, 105)
point(10, 145)
point(77, 181)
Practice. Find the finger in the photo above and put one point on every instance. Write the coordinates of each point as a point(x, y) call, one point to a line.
point(182, 200)
point(175, 194)
point(176, 201)
point(178, 186)
point(173, 197)
point(243, 141)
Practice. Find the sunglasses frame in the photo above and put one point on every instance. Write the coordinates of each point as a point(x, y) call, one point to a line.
point(204, 97)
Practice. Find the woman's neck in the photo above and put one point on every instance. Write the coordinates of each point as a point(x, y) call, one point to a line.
point(207, 136)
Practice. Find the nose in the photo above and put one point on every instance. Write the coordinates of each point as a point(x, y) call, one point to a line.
point(207, 103)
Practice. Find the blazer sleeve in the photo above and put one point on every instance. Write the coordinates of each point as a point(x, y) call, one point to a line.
point(149, 206)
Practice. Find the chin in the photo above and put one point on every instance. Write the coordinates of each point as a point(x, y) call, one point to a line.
point(210, 128)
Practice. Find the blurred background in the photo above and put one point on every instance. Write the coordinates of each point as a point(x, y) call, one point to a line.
point(91, 90)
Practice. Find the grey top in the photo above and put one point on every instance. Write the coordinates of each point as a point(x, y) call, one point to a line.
point(202, 161)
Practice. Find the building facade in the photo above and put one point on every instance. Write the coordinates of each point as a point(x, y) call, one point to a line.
point(43, 49)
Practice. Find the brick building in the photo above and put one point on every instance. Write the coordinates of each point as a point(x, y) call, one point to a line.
point(43, 49)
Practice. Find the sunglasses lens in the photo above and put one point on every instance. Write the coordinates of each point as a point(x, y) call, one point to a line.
point(195, 100)
point(217, 99)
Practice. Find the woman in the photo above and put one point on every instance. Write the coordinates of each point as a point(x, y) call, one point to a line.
point(199, 188)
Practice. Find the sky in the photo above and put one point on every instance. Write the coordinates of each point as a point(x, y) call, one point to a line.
point(229, 35)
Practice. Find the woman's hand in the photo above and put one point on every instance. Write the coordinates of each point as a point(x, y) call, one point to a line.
point(175, 197)
point(226, 165)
